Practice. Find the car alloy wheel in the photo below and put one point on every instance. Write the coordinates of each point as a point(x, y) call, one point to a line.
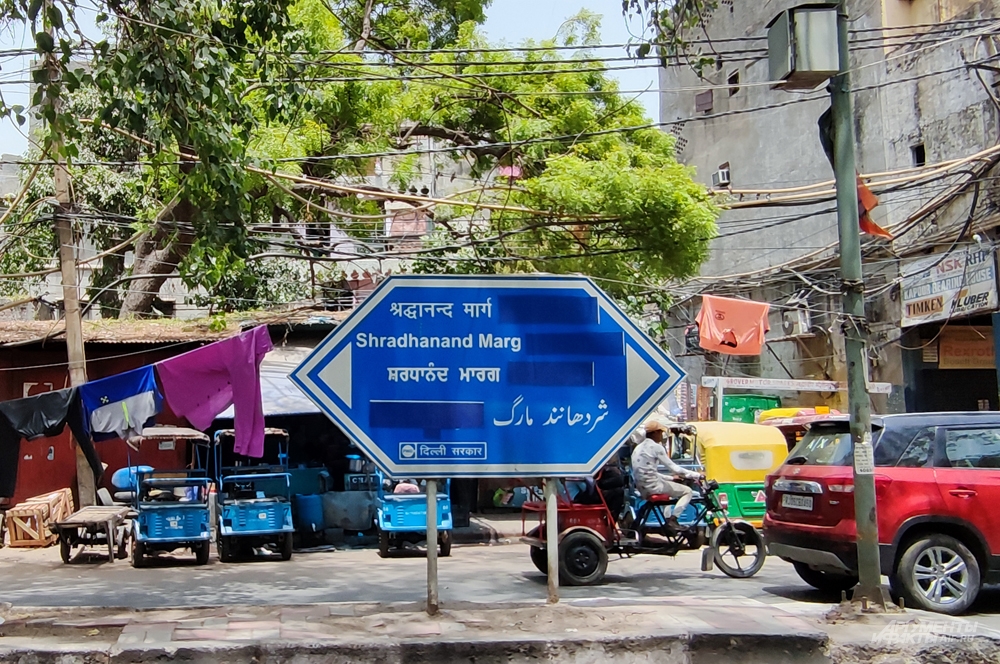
point(937, 572)
point(941, 575)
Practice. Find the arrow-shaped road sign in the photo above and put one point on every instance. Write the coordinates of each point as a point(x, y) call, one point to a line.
point(441, 376)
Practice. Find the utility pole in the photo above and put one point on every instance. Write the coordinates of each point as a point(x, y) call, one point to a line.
point(75, 354)
point(869, 589)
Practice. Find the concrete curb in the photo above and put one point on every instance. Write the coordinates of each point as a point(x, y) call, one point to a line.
point(685, 648)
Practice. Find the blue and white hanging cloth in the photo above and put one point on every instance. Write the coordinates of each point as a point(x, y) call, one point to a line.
point(121, 405)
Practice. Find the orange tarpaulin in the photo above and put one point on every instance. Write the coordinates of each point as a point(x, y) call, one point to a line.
point(730, 326)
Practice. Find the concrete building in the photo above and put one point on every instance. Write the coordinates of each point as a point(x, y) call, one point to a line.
point(926, 118)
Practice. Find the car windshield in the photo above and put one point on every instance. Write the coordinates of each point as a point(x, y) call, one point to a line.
point(826, 447)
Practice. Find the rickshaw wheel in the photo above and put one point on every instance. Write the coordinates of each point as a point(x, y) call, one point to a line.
point(736, 542)
point(540, 559)
point(225, 549)
point(286, 546)
point(201, 553)
point(122, 552)
point(383, 544)
point(445, 540)
point(65, 549)
point(583, 560)
point(138, 553)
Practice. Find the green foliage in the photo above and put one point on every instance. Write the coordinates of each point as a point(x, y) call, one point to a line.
point(400, 24)
point(234, 284)
point(279, 84)
point(669, 25)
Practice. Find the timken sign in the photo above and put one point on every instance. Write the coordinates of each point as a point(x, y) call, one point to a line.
point(940, 287)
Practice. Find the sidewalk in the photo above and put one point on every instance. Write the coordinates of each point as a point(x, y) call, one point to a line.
point(490, 529)
point(671, 630)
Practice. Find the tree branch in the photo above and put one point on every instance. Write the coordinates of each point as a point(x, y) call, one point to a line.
point(459, 137)
point(366, 27)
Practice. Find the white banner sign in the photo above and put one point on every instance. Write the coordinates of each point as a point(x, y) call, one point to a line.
point(943, 286)
point(787, 385)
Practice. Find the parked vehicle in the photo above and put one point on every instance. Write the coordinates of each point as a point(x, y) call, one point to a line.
point(254, 505)
point(171, 513)
point(402, 517)
point(739, 456)
point(937, 482)
point(255, 510)
point(792, 422)
point(592, 529)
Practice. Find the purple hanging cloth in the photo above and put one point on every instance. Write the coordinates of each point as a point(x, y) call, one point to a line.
point(203, 382)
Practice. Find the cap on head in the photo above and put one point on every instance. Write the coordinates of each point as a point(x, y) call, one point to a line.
point(653, 425)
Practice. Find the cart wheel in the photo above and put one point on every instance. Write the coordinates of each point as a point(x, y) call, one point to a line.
point(65, 549)
point(138, 553)
point(201, 553)
point(225, 549)
point(383, 543)
point(444, 539)
point(286, 546)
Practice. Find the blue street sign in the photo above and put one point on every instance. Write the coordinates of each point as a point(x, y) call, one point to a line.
point(459, 376)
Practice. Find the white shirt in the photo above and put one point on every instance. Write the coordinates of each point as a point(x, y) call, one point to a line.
point(647, 457)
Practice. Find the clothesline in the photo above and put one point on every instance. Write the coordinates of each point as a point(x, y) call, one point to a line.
point(198, 385)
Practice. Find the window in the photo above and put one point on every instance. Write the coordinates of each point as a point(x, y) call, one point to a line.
point(734, 83)
point(972, 448)
point(703, 102)
point(919, 154)
point(918, 454)
point(823, 446)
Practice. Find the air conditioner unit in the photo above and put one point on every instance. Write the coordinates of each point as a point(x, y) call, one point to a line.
point(721, 178)
point(796, 322)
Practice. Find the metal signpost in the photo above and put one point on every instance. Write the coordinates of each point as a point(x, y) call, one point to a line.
point(460, 376)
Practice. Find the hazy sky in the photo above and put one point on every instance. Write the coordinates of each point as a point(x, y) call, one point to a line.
point(511, 21)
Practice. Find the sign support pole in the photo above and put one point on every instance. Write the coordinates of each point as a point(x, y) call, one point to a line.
point(552, 538)
point(869, 587)
point(719, 400)
point(432, 548)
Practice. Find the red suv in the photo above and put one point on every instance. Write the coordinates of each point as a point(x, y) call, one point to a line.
point(937, 484)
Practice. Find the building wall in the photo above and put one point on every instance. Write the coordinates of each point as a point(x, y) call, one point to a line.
point(906, 96)
point(48, 464)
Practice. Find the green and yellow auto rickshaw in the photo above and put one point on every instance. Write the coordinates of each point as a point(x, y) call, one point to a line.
point(736, 455)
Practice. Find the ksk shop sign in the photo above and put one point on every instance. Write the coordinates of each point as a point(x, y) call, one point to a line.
point(940, 287)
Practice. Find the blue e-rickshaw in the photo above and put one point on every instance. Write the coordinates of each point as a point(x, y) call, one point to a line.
point(402, 517)
point(254, 505)
point(172, 512)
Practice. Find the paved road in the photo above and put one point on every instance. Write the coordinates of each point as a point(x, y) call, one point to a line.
point(475, 573)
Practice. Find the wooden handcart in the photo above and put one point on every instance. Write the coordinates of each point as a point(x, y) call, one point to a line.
point(94, 526)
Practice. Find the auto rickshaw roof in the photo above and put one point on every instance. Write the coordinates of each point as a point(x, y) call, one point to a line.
point(734, 434)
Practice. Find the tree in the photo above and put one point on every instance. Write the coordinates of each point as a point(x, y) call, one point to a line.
point(669, 25)
point(250, 123)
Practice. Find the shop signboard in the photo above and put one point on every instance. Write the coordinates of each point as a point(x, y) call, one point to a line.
point(461, 376)
point(946, 286)
point(966, 347)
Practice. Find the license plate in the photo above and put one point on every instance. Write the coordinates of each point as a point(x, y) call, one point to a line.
point(797, 502)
